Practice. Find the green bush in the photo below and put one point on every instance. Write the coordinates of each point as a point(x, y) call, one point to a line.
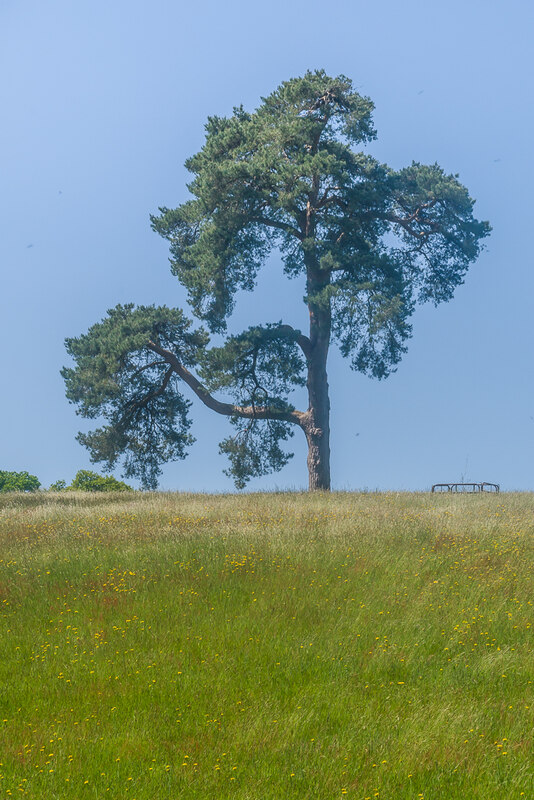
point(87, 481)
point(58, 486)
point(18, 482)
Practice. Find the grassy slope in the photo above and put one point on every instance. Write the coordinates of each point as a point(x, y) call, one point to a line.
point(266, 646)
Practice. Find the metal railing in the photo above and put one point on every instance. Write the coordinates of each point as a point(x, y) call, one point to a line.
point(466, 488)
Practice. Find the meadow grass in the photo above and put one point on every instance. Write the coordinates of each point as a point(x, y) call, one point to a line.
point(266, 646)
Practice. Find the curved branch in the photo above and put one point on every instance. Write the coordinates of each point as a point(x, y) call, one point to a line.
point(148, 366)
point(302, 340)
point(283, 226)
point(143, 401)
point(227, 409)
point(135, 404)
point(404, 222)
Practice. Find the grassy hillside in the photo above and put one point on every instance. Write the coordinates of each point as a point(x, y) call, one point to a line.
point(267, 646)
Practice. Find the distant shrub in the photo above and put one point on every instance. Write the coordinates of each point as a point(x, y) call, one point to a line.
point(87, 481)
point(58, 486)
point(18, 482)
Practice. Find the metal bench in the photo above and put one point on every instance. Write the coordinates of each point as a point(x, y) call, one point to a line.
point(466, 488)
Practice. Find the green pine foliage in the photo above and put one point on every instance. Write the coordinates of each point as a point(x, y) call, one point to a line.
point(117, 377)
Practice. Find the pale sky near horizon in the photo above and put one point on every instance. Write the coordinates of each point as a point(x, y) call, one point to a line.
point(102, 102)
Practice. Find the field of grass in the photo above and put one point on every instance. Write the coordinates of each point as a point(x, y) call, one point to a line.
point(165, 646)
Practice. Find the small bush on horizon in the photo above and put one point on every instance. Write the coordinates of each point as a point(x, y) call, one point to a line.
point(58, 486)
point(87, 481)
point(18, 482)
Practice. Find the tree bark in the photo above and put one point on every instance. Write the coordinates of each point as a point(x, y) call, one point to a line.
point(317, 430)
point(317, 419)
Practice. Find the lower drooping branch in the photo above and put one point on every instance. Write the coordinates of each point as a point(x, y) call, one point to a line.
point(227, 409)
point(316, 437)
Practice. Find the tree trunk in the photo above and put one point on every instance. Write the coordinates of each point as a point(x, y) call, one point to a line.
point(317, 423)
point(317, 431)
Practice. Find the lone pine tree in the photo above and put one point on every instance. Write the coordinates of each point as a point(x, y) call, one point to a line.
point(369, 241)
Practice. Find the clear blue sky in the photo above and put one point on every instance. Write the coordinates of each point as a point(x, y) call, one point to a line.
point(102, 102)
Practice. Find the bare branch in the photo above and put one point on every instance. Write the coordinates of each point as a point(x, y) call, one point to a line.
point(148, 366)
point(136, 404)
point(283, 226)
point(327, 199)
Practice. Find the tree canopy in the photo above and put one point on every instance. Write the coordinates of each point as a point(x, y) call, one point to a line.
point(18, 482)
point(368, 241)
